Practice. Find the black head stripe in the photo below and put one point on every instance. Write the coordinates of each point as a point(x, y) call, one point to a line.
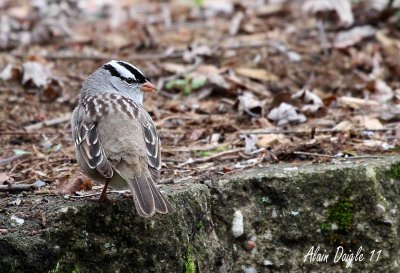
point(112, 70)
point(140, 78)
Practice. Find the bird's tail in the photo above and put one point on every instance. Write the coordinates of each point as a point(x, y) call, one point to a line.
point(147, 197)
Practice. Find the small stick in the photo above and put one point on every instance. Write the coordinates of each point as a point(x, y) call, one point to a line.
point(50, 122)
point(18, 164)
point(235, 23)
point(364, 157)
point(313, 154)
point(5, 161)
point(338, 157)
point(93, 194)
point(267, 132)
point(86, 195)
point(70, 57)
point(195, 148)
point(211, 157)
point(144, 57)
point(322, 36)
point(33, 132)
point(161, 122)
point(16, 187)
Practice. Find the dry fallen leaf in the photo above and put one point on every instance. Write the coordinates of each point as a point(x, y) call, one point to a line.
point(249, 143)
point(4, 178)
point(285, 114)
point(265, 141)
point(372, 123)
point(249, 104)
point(389, 44)
point(353, 36)
point(311, 102)
point(356, 103)
point(256, 73)
point(380, 5)
point(341, 7)
point(344, 125)
point(372, 143)
point(36, 74)
point(219, 81)
point(77, 182)
point(10, 72)
point(390, 113)
point(196, 134)
point(174, 67)
point(115, 40)
point(382, 92)
point(197, 51)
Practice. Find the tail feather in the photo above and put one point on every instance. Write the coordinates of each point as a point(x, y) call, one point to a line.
point(147, 198)
point(161, 204)
point(142, 196)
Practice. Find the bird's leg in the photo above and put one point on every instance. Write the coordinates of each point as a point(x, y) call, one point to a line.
point(103, 196)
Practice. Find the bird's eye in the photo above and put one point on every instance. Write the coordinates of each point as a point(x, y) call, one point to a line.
point(129, 80)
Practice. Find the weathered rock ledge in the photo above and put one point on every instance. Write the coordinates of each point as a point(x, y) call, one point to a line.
point(286, 211)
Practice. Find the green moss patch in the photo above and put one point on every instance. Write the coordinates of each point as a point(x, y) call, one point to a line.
point(395, 171)
point(190, 266)
point(341, 214)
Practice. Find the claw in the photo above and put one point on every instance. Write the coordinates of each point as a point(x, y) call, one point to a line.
point(103, 196)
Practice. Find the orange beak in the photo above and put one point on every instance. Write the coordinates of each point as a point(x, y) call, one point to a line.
point(148, 87)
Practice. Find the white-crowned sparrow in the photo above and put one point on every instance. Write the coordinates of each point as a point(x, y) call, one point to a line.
point(115, 138)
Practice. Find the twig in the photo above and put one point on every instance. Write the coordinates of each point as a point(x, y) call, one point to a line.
point(16, 187)
point(33, 132)
point(235, 23)
point(18, 164)
point(322, 37)
point(86, 195)
point(313, 154)
point(161, 122)
point(10, 159)
point(94, 194)
point(166, 181)
point(55, 121)
point(250, 85)
point(166, 15)
point(141, 57)
point(51, 122)
point(195, 148)
point(75, 57)
point(363, 157)
point(338, 157)
point(250, 45)
point(211, 157)
point(267, 132)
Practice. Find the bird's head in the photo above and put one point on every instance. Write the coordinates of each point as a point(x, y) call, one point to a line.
point(121, 78)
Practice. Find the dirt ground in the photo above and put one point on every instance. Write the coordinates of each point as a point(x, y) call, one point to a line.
point(241, 85)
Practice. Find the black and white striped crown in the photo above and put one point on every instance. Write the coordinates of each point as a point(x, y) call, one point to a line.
point(125, 71)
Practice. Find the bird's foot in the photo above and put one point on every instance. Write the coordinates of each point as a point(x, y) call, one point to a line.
point(103, 197)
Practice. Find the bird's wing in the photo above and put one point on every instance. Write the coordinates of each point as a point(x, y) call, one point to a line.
point(87, 141)
point(153, 144)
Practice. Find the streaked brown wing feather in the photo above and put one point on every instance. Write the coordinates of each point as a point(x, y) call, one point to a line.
point(153, 144)
point(89, 145)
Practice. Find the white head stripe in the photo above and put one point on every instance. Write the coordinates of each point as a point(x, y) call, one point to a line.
point(124, 72)
point(138, 70)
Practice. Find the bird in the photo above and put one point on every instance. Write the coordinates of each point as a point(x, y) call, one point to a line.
point(116, 141)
